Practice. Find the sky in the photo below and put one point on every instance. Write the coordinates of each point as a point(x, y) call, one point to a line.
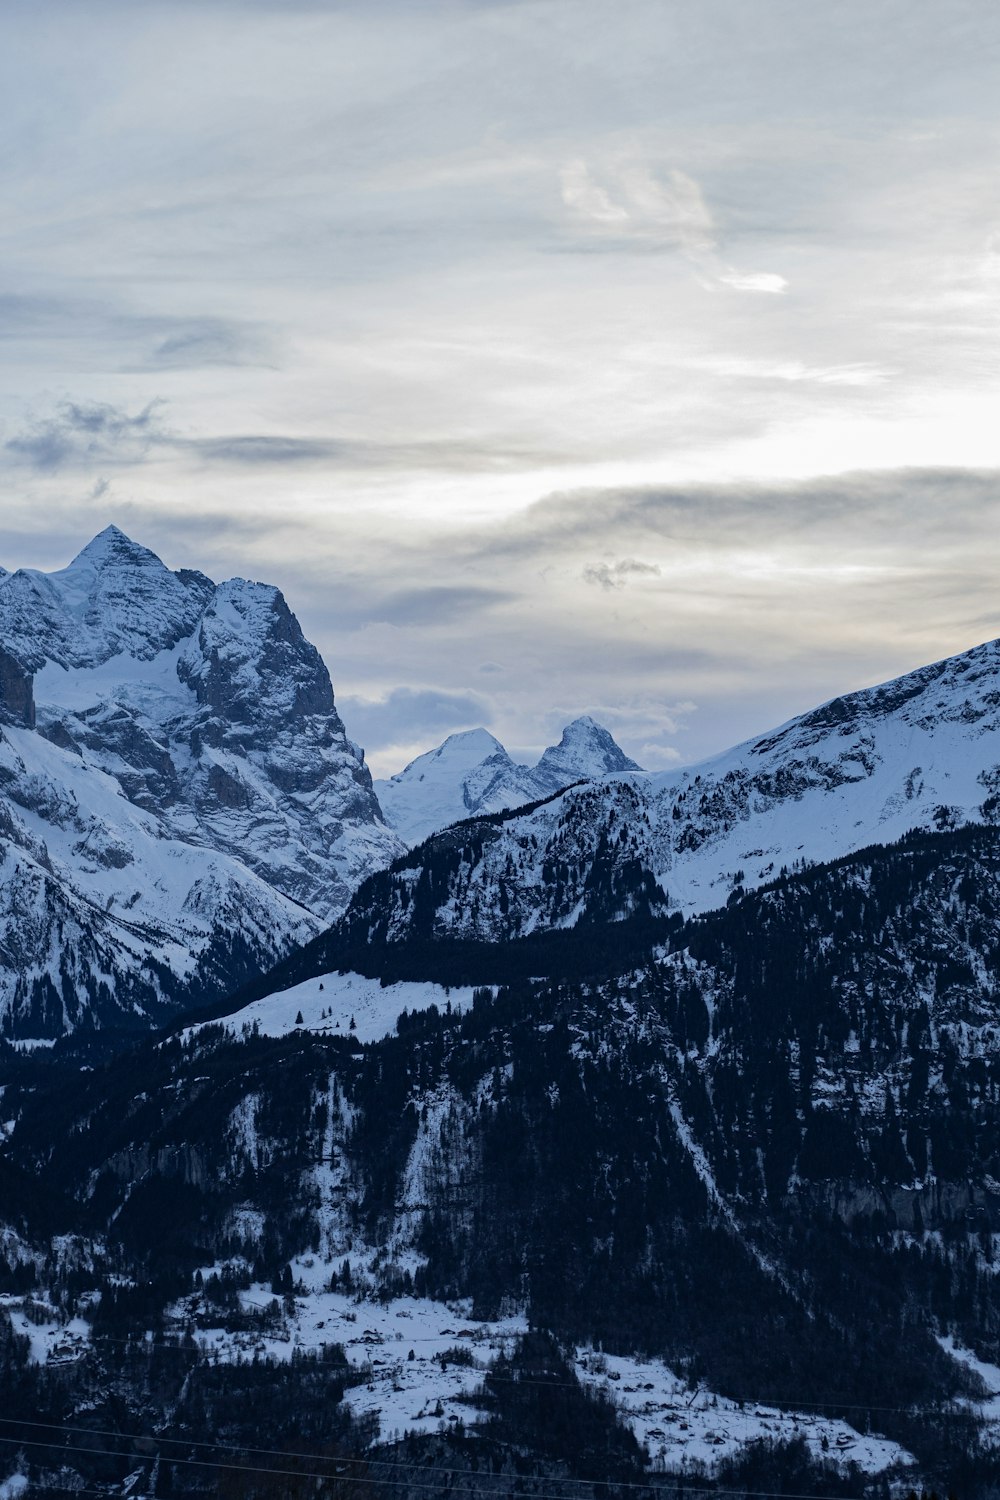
point(552, 356)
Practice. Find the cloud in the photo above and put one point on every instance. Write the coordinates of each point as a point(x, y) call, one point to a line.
point(759, 281)
point(588, 199)
point(205, 343)
point(637, 204)
point(405, 716)
point(632, 205)
point(259, 449)
point(440, 604)
point(133, 341)
point(84, 433)
point(616, 575)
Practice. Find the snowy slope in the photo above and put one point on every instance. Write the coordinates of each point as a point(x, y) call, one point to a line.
point(332, 1002)
point(922, 751)
point(104, 918)
point(176, 788)
point(472, 773)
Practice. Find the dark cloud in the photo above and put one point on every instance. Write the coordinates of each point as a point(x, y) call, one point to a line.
point(440, 604)
point(202, 343)
point(616, 575)
point(260, 449)
point(846, 511)
point(83, 433)
point(407, 715)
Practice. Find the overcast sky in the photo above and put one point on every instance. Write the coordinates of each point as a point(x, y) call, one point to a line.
point(553, 356)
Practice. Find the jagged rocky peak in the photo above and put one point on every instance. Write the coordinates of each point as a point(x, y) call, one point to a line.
point(190, 798)
point(472, 773)
point(115, 597)
point(586, 749)
point(250, 661)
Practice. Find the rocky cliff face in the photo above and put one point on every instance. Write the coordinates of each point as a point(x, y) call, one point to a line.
point(188, 790)
point(17, 699)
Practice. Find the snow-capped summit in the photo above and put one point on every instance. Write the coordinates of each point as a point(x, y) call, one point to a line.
point(115, 597)
point(469, 772)
point(472, 773)
point(586, 750)
point(172, 751)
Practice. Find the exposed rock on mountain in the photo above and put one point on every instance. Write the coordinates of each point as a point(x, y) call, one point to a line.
point(189, 791)
point(922, 751)
point(17, 699)
point(472, 773)
point(585, 752)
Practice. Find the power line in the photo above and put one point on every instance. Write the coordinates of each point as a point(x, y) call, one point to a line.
point(655, 1482)
point(278, 1453)
point(783, 1406)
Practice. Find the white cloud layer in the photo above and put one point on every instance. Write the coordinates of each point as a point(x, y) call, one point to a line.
point(340, 293)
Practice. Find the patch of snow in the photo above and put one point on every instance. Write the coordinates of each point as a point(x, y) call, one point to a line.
point(989, 1406)
point(681, 1428)
point(330, 1002)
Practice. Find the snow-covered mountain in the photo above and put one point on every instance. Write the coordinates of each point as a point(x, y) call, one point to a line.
point(921, 751)
point(472, 773)
point(179, 802)
point(585, 751)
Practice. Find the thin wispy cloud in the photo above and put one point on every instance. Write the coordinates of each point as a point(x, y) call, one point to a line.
point(630, 204)
point(615, 575)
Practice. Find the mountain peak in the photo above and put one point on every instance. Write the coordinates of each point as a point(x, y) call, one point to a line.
point(112, 533)
point(585, 749)
point(472, 773)
point(108, 548)
point(115, 597)
point(472, 745)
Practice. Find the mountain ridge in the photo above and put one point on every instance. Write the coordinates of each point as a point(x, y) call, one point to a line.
point(172, 761)
point(471, 773)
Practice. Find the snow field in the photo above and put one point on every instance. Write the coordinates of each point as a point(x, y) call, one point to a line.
point(411, 1387)
point(681, 1428)
point(344, 996)
point(52, 1342)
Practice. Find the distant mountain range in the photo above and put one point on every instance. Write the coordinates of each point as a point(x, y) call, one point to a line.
point(533, 1125)
point(472, 773)
point(180, 804)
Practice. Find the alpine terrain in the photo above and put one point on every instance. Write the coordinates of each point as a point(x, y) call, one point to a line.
point(472, 773)
point(179, 802)
point(591, 1131)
